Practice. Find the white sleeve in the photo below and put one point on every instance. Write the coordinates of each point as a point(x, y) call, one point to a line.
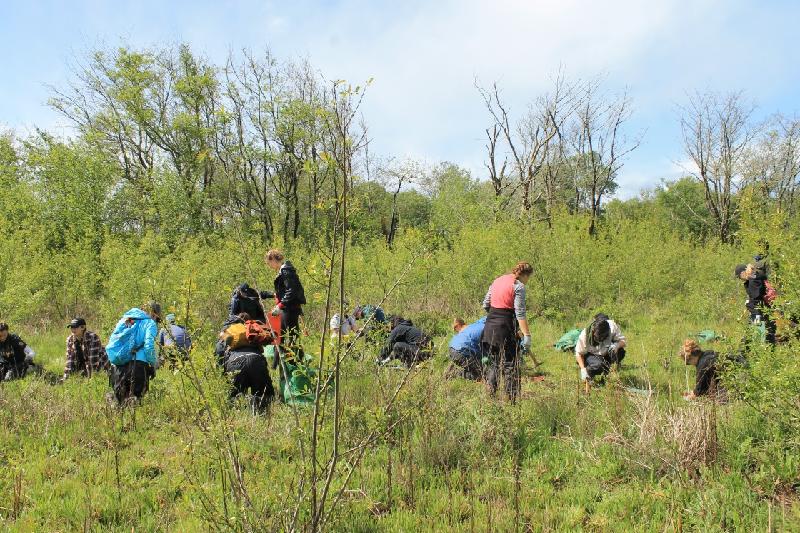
point(29, 352)
point(580, 346)
point(616, 332)
point(336, 322)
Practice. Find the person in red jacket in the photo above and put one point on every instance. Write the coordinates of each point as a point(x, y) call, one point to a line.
point(505, 303)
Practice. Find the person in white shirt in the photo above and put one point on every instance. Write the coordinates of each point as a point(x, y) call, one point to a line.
point(599, 346)
point(342, 327)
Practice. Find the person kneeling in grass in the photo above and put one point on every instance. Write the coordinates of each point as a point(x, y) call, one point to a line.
point(407, 343)
point(465, 348)
point(706, 382)
point(599, 346)
point(85, 352)
point(15, 355)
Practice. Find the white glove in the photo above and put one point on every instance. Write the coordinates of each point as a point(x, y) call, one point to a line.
point(276, 311)
point(526, 341)
point(584, 374)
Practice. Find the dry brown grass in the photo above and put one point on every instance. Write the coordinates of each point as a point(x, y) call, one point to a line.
point(683, 438)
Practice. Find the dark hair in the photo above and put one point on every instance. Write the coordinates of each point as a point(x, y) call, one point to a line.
point(3, 326)
point(459, 322)
point(599, 329)
point(397, 320)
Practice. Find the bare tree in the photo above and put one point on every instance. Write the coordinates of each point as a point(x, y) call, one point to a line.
point(395, 175)
point(525, 142)
point(773, 162)
point(598, 146)
point(717, 130)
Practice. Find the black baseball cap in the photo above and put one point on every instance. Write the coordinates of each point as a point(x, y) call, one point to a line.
point(738, 270)
point(76, 323)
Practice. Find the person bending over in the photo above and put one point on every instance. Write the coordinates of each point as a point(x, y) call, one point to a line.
point(706, 382)
point(407, 343)
point(599, 346)
point(465, 348)
point(131, 379)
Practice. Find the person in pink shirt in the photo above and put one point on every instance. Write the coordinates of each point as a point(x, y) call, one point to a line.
point(505, 305)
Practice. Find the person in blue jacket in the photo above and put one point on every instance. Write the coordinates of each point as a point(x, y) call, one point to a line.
point(132, 379)
point(465, 348)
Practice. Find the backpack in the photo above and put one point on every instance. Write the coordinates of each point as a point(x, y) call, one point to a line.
point(770, 295)
point(250, 333)
point(235, 336)
point(120, 346)
point(257, 333)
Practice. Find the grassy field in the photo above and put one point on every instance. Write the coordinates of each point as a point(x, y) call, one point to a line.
point(445, 457)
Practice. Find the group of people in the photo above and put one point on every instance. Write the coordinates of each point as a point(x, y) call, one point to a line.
point(493, 345)
point(490, 349)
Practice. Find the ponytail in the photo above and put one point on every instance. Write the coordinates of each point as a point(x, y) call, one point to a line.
point(522, 269)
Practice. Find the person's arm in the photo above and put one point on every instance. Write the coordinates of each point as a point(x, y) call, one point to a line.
point(93, 348)
point(580, 354)
point(149, 347)
point(520, 309)
point(756, 290)
point(617, 337)
point(580, 350)
point(705, 374)
point(70, 365)
point(292, 286)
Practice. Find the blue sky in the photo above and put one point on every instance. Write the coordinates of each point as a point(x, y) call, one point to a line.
point(424, 57)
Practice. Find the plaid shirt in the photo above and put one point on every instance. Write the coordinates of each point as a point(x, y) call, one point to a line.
point(94, 355)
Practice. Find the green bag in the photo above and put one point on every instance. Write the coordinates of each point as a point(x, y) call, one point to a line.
point(568, 340)
point(707, 335)
point(300, 387)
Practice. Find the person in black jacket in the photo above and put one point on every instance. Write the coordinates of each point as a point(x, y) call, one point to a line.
point(246, 299)
point(755, 285)
point(289, 298)
point(407, 343)
point(706, 382)
point(15, 355)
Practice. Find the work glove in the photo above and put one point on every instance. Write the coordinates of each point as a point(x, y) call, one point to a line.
point(526, 342)
point(276, 311)
point(584, 374)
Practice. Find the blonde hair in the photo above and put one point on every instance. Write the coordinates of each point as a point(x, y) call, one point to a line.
point(274, 255)
point(689, 348)
point(522, 269)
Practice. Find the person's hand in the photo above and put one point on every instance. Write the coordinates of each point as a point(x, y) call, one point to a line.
point(526, 342)
point(584, 374)
point(689, 395)
point(276, 311)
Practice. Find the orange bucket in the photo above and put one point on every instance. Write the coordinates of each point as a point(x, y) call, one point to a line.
point(275, 325)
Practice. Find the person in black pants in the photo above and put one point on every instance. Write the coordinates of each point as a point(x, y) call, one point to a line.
point(250, 374)
point(755, 285)
point(407, 343)
point(248, 367)
point(505, 307)
point(706, 382)
point(289, 298)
